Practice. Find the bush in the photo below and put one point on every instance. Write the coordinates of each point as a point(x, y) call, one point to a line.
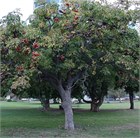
point(9, 100)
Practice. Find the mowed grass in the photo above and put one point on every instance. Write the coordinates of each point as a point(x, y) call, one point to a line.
point(26, 120)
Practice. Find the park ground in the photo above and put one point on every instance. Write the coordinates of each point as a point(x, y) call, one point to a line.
point(26, 120)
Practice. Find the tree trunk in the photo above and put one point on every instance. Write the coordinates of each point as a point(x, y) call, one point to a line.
point(96, 104)
point(46, 104)
point(79, 100)
point(54, 101)
point(120, 99)
point(94, 107)
point(67, 106)
point(131, 98)
point(60, 107)
point(64, 88)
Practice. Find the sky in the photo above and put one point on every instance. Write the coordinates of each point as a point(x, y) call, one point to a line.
point(25, 6)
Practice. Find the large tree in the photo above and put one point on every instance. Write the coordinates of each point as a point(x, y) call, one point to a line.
point(115, 47)
point(61, 46)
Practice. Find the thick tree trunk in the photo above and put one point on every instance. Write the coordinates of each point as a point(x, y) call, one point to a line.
point(64, 86)
point(47, 104)
point(67, 106)
point(96, 104)
point(94, 107)
point(131, 98)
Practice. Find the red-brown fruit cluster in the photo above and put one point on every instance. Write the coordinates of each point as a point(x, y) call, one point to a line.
point(35, 45)
point(67, 4)
point(56, 19)
point(62, 57)
point(18, 49)
point(76, 18)
point(35, 54)
point(23, 32)
point(75, 10)
point(27, 51)
point(19, 68)
point(25, 41)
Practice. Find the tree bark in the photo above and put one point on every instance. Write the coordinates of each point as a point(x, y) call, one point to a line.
point(67, 106)
point(79, 100)
point(64, 88)
point(131, 98)
point(46, 104)
point(54, 101)
point(96, 104)
point(94, 107)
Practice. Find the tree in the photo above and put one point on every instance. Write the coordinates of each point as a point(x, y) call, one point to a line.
point(129, 81)
point(109, 53)
point(61, 46)
point(96, 89)
point(32, 50)
point(132, 85)
point(42, 90)
point(118, 93)
point(11, 28)
point(77, 92)
point(96, 85)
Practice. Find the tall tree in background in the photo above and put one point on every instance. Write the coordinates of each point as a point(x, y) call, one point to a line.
point(114, 45)
point(96, 87)
point(132, 86)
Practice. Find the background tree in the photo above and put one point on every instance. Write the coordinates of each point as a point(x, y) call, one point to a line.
point(77, 92)
point(117, 93)
point(111, 39)
point(41, 90)
point(96, 86)
point(131, 86)
point(129, 81)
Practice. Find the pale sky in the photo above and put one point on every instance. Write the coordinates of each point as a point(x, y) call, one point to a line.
point(25, 6)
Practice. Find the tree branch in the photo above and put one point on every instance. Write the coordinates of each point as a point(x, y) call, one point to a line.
point(73, 80)
point(50, 77)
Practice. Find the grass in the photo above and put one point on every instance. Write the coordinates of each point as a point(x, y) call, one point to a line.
point(26, 120)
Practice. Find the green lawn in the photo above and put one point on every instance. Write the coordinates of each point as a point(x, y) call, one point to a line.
point(26, 120)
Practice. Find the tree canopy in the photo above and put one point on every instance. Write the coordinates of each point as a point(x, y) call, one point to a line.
point(63, 44)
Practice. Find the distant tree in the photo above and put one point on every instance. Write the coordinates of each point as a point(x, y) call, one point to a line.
point(138, 94)
point(129, 81)
point(117, 93)
point(77, 92)
point(131, 87)
point(41, 90)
